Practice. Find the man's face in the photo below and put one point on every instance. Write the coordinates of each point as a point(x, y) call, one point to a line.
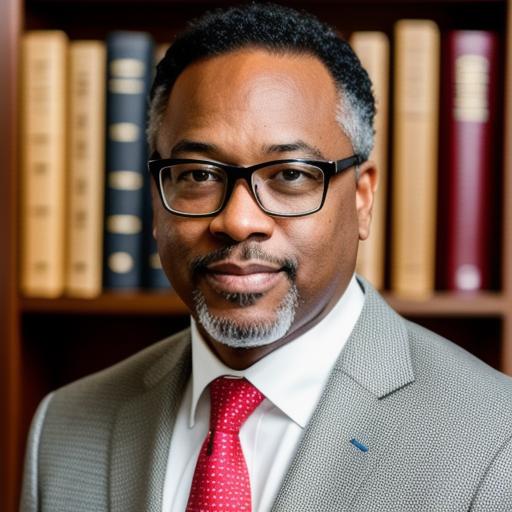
point(243, 268)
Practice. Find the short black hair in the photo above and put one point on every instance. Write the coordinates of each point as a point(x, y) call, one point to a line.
point(277, 29)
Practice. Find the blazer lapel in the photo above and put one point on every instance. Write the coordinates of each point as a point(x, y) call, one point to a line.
point(142, 434)
point(357, 415)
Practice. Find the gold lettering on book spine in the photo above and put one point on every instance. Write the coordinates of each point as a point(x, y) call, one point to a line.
point(120, 262)
point(471, 89)
point(124, 224)
point(125, 180)
point(127, 68)
point(124, 132)
point(154, 261)
point(125, 86)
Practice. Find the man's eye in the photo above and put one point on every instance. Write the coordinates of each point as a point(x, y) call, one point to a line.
point(293, 175)
point(199, 175)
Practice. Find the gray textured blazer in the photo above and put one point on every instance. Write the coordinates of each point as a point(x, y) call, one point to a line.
point(436, 422)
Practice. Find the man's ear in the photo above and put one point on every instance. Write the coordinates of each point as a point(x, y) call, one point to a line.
point(366, 187)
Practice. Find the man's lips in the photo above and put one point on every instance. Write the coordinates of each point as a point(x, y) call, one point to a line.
point(231, 277)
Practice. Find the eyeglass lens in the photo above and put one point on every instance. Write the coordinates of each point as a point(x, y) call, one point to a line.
point(285, 188)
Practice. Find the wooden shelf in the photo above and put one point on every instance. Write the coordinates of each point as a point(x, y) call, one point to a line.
point(168, 303)
point(451, 304)
point(121, 303)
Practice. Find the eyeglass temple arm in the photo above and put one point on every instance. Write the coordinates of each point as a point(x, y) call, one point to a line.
point(347, 163)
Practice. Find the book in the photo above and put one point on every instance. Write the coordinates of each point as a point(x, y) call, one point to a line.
point(153, 277)
point(415, 157)
point(129, 63)
point(86, 160)
point(43, 162)
point(469, 160)
point(160, 51)
point(372, 48)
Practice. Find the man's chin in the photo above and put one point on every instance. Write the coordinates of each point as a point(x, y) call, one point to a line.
point(245, 328)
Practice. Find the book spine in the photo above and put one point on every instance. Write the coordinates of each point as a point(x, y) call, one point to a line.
point(415, 156)
point(471, 67)
point(154, 276)
point(129, 64)
point(160, 51)
point(372, 48)
point(43, 132)
point(87, 61)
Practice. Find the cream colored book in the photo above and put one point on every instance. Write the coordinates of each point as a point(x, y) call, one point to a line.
point(160, 51)
point(415, 154)
point(43, 162)
point(86, 163)
point(372, 48)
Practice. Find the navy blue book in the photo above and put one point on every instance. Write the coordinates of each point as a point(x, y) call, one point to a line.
point(129, 73)
point(154, 277)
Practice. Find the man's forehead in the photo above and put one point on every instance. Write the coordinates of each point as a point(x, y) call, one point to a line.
point(248, 58)
point(253, 79)
point(249, 69)
point(252, 97)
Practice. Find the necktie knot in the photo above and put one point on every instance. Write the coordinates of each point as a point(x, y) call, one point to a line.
point(232, 402)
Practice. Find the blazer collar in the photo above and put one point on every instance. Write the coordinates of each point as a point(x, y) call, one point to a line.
point(142, 432)
point(377, 354)
point(354, 424)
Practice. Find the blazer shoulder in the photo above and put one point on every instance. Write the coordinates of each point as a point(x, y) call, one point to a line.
point(455, 374)
point(71, 442)
point(127, 378)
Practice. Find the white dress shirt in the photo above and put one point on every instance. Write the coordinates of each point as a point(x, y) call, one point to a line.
point(292, 379)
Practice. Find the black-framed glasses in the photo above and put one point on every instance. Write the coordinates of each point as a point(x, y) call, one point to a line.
point(285, 188)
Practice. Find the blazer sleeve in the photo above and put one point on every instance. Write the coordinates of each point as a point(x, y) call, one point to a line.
point(495, 491)
point(30, 489)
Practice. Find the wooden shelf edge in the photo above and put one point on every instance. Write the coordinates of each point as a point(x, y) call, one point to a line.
point(129, 303)
point(451, 304)
point(168, 303)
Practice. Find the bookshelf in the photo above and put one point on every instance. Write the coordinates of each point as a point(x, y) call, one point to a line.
point(46, 343)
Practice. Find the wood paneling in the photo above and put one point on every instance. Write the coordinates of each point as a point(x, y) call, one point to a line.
point(10, 365)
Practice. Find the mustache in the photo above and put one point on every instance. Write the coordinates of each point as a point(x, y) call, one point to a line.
point(245, 252)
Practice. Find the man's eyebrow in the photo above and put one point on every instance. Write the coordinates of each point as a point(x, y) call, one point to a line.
point(299, 145)
point(192, 146)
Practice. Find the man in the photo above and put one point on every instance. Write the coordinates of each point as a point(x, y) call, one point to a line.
point(261, 126)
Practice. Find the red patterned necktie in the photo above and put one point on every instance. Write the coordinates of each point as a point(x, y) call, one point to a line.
point(221, 480)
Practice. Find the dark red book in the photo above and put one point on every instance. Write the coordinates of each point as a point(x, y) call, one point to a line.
point(470, 158)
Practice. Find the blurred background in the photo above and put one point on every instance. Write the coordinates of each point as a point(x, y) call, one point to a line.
point(81, 286)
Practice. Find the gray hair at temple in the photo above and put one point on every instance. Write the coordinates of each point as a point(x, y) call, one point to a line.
point(279, 30)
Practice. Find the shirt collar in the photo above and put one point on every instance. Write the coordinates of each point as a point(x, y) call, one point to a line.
point(297, 389)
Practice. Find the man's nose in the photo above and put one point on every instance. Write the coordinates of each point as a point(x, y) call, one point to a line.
point(242, 218)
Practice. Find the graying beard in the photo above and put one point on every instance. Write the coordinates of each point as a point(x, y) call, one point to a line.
point(236, 335)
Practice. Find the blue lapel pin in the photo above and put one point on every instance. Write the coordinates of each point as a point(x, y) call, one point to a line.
point(359, 445)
